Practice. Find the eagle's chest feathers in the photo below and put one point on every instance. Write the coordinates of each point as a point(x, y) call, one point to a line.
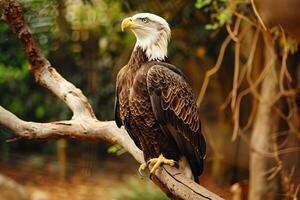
point(137, 98)
point(134, 97)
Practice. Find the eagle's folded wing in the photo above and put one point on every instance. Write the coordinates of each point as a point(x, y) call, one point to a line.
point(174, 108)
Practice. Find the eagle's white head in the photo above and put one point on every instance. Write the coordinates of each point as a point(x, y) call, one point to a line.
point(152, 33)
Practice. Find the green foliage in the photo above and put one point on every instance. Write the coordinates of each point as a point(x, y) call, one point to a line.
point(137, 189)
point(284, 41)
point(114, 149)
point(221, 11)
point(202, 3)
point(11, 54)
point(7, 73)
point(292, 45)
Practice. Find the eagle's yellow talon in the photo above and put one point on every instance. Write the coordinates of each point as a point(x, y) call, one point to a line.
point(157, 162)
point(142, 168)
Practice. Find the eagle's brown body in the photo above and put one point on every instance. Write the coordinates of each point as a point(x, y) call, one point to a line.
point(156, 106)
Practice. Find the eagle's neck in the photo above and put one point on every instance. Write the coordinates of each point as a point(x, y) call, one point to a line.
point(155, 45)
point(138, 57)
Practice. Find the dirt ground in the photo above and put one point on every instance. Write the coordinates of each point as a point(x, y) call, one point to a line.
point(83, 179)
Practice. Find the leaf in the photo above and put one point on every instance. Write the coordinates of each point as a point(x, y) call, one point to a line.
point(202, 3)
point(292, 44)
point(224, 17)
point(114, 148)
point(211, 26)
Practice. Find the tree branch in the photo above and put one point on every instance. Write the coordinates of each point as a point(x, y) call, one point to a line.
point(83, 125)
point(89, 129)
point(40, 67)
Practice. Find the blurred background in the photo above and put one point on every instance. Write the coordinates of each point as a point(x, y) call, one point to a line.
point(83, 41)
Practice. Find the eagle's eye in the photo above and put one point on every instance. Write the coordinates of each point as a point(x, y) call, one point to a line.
point(145, 20)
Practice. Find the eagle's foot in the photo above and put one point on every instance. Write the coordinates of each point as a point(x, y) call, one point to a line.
point(142, 168)
point(157, 162)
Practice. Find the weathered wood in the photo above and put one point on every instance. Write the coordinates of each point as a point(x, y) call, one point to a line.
point(264, 126)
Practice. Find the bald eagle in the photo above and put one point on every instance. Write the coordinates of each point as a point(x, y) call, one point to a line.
point(155, 103)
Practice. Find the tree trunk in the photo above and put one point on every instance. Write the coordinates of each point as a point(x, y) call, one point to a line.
point(264, 126)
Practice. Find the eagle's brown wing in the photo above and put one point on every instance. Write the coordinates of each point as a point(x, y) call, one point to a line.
point(174, 108)
point(117, 111)
point(121, 99)
point(122, 116)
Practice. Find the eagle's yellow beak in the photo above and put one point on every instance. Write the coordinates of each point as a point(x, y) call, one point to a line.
point(127, 23)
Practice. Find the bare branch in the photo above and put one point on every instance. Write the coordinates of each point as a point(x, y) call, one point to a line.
point(83, 125)
point(217, 66)
point(89, 129)
point(257, 15)
point(213, 70)
point(40, 67)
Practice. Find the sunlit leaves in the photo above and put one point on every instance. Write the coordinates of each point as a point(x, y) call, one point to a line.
point(221, 11)
point(292, 44)
point(224, 16)
point(116, 149)
point(201, 3)
point(211, 26)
